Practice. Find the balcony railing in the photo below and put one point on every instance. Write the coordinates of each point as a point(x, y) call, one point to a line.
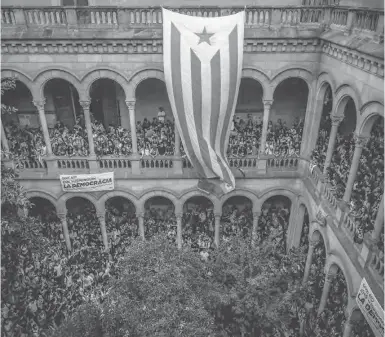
point(124, 17)
point(371, 259)
point(52, 166)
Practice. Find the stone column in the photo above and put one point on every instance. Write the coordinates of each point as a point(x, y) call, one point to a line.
point(63, 220)
point(131, 109)
point(179, 238)
point(217, 230)
point(177, 142)
point(4, 140)
point(43, 122)
point(254, 233)
point(354, 318)
point(294, 229)
point(325, 292)
point(379, 223)
point(348, 328)
point(360, 142)
point(141, 225)
point(87, 119)
point(266, 115)
point(336, 120)
point(309, 260)
point(178, 167)
point(102, 220)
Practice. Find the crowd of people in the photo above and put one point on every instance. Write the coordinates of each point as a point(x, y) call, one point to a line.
point(198, 227)
point(368, 186)
point(283, 141)
point(160, 219)
point(154, 138)
point(24, 143)
point(38, 295)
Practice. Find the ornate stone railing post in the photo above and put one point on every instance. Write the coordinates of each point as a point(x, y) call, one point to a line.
point(87, 119)
point(329, 278)
point(217, 230)
point(350, 22)
point(254, 233)
point(101, 214)
point(4, 140)
point(266, 115)
point(43, 122)
point(140, 217)
point(336, 120)
point(135, 164)
point(360, 142)
point(63, 220)
point(179, 238)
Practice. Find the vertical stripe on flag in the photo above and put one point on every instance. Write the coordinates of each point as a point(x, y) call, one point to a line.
point(233, 67)
point(178, 95)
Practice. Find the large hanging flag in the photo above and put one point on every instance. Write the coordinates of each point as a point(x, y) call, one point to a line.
point(202, 65)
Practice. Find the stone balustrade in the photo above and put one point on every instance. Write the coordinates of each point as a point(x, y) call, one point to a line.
point(63, 165)
point(339, 17)
point(124, 17)
point(247, 162)
point(278, 163)
point(74, 163)
point(45, 17)
point(368, 255)
point(376, 266)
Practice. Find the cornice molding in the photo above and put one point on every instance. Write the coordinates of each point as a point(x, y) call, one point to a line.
point(360, 60)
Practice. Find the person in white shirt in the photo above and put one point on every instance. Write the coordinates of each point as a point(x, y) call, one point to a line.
point(161, 115)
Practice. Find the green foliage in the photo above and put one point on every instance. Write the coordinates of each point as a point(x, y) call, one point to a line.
point(265, 286)
point(13, 197)
point(7, 84)
point(85, 322)
point(162, 291)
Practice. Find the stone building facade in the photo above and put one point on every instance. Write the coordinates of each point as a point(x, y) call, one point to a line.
point(110, 58)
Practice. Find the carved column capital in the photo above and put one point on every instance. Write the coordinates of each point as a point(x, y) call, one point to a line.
point(330, 277)
point(336, 120)
point(39, 104)
point(321, 218)
point(62, 216)
point(179, 216)
point(256, 214)
point(267, 103)
point(130, 104)
point(217, 215)
point(140, 215)
point(85, 104)
point(360, 141)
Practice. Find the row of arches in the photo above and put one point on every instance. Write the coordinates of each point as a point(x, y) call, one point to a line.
point(331, 282)
point(108, 106)
point(288, 95)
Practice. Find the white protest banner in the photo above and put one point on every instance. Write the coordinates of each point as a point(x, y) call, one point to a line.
point(87, 182)
point(370, 308)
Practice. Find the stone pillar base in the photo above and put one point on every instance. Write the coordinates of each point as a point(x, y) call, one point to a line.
point(93, 163)
point(178, 167)
point(135, 164)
